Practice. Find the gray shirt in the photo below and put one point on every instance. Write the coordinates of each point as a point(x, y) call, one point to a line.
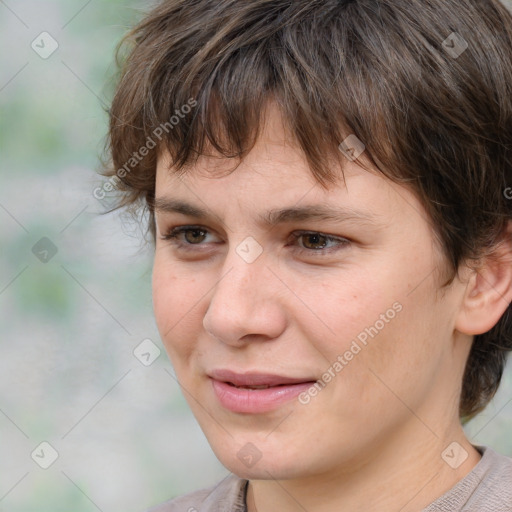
point(487, 488)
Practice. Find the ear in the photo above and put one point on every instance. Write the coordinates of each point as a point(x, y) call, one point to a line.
point(488, 292)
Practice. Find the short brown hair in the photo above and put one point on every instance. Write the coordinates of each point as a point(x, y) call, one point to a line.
point(425, 84)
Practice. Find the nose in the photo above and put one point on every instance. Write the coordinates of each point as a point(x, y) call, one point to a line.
point(245, 305)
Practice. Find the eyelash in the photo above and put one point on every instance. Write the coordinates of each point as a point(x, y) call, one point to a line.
point(172, 236)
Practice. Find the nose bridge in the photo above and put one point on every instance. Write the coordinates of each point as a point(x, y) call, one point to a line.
point(241, 300)
point(244, 267)
point(244, 272)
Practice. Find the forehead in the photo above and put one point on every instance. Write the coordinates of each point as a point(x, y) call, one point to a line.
point(275, 155)
point(276, 174)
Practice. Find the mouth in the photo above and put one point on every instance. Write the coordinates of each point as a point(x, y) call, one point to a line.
point(254, 393)
point(256, 380)
point(255, 388)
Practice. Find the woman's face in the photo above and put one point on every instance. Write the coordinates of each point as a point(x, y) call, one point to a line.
point(278, 284)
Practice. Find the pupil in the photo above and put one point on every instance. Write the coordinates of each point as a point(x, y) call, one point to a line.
point(196, 234)
point(315, 240)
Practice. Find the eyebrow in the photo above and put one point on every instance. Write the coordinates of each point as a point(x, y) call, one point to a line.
point(275, 216)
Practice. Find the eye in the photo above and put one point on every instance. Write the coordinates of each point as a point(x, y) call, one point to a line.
point(310, 243)
point(319, 243)
point(186, 236)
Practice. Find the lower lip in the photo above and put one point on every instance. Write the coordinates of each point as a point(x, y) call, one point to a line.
point(257, 400)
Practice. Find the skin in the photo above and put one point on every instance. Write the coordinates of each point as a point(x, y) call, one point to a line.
point(372, 439)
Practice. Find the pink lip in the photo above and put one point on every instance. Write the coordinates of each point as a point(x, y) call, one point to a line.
point(281, 390)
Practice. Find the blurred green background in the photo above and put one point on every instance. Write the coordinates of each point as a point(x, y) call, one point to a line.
point(68, 375)
point(75, 296)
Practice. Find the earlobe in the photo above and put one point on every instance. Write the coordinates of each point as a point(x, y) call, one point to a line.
point(489, 290)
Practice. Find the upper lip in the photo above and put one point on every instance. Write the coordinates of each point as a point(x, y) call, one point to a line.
point(255, 378)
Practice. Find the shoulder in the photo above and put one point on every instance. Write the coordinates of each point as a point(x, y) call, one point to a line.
point(488, 488)
point(492, 477)
point(226, 496)
point(496, 483)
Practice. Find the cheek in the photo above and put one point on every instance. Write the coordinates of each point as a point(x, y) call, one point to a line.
point(176, 309)
point(397, 361)
point(354, 305)
point(381, 324)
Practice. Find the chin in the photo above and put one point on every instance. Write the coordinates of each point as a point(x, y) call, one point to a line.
point(260, 460)
point(262, 470)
